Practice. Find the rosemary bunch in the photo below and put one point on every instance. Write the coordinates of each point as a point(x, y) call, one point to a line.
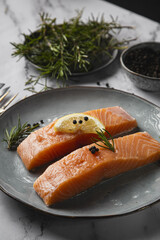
point(17, 134)
point(58, 50)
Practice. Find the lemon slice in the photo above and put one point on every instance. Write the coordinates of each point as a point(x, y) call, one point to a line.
point(75, 122)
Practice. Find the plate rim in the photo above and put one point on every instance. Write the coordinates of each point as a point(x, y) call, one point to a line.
point(2, 188)
point(78, 87)
point(77, 216)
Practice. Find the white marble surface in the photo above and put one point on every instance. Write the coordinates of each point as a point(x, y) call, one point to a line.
point(18, 221)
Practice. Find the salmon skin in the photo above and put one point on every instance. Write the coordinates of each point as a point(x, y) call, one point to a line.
point(81, 169)
point(45, 144)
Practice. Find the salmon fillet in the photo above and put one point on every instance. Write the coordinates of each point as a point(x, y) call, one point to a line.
point(45, 145)
point(81, 169)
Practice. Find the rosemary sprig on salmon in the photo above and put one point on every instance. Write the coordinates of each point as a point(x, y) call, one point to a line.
point(18, 133)
point(103, 139)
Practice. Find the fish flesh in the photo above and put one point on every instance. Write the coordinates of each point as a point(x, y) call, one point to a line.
point(81, 169)
point(46, 144)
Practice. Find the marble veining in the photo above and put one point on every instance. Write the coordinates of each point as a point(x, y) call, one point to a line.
point(19, 222)
point(155, 33)
point(11, 14)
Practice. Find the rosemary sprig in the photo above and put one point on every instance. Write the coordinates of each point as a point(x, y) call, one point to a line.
point(104, 140)
point(17, 134)
point(58, 50)
point(34, 81)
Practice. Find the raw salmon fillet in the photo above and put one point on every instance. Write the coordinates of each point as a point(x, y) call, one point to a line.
point(81, 169)
point(45, 145)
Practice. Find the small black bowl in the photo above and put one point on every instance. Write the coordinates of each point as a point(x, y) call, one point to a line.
point(128, 62)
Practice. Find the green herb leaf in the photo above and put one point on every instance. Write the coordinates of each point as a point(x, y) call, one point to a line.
point(104, 140)
point(17, 134)
point(58, 50)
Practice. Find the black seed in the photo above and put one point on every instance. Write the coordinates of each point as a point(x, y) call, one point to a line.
point(80, 121)
point(86, 118)
point(98, 83)
point(28, 125)
point(93, 151)
point(93, 147)
point(107, 84)
point(41, 121)
point(144, 61)
point(74, 121)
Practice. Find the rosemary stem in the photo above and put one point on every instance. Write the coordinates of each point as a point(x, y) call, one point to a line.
point(75, 46)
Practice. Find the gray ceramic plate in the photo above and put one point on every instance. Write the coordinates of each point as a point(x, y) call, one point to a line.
point(121, 195)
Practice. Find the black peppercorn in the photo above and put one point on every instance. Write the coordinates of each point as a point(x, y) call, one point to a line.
point(93, 149)
point(86, 118)
point(74, 122)
point(144, 61)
